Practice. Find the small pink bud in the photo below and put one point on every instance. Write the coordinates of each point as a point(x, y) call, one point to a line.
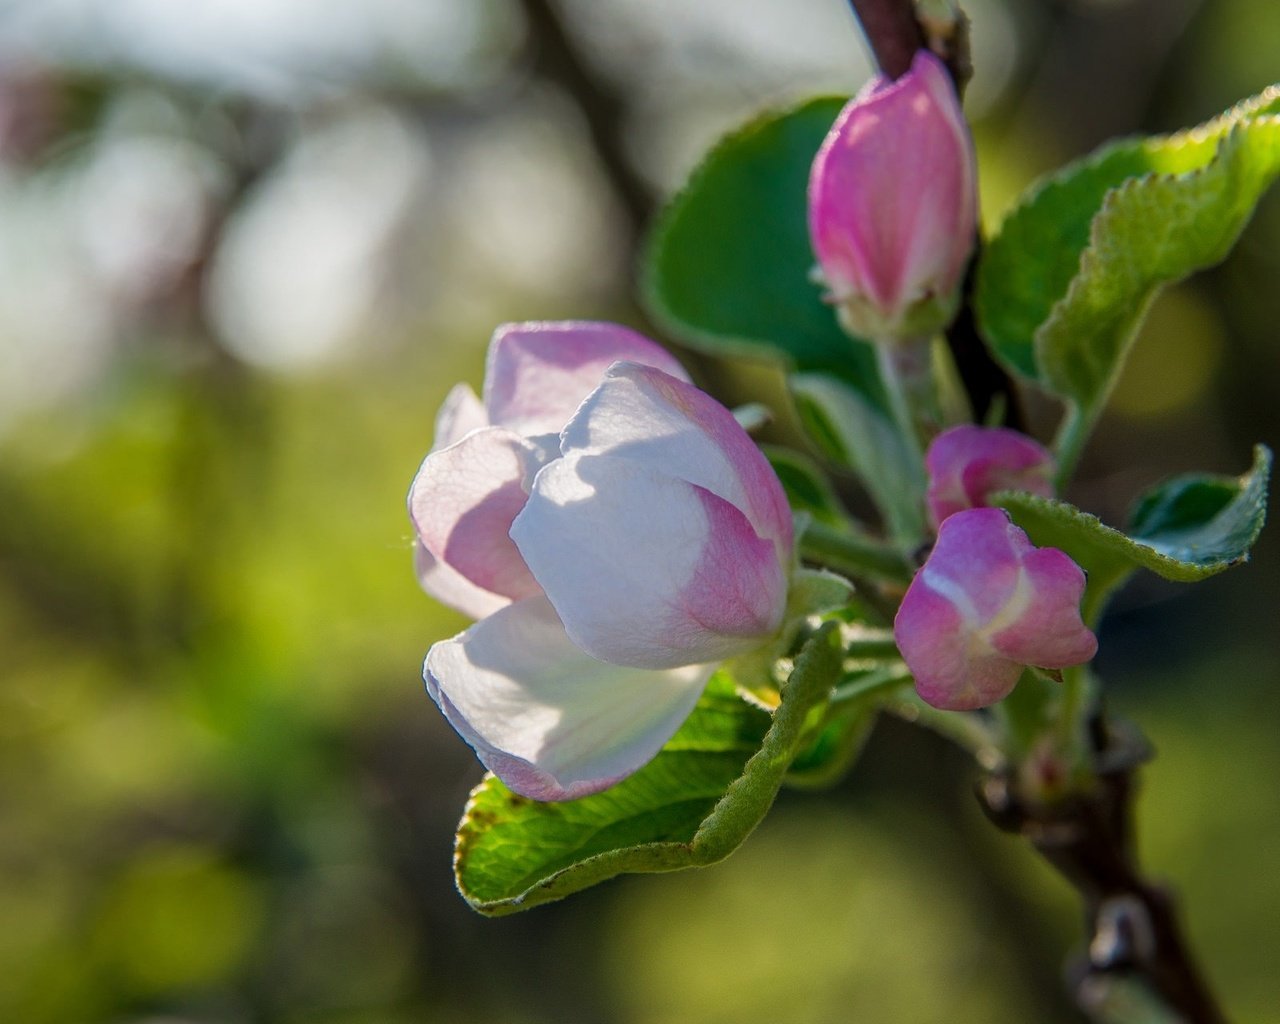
point(966, 464)
point(987, 604)
point(892, 204)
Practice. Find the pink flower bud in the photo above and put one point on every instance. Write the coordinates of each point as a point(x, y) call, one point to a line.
point(986, 605)
point(966, 464)
point(621, 561)
point(892, 204)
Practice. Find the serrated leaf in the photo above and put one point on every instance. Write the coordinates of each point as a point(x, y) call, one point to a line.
point(727, 267)
point(1186, 529)
point(856, 434)
point(691, 806)
point(1064, 285)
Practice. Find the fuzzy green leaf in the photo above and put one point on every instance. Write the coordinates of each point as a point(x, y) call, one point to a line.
point(691, 806)
point(1064, 285)
point(855, 433)
point(1186, 529)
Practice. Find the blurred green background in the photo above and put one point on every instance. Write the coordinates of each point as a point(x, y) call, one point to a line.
point(245, 249)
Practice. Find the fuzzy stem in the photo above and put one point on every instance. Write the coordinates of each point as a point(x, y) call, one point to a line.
point(906, 366)
point(1068, 446)
point(853, 555)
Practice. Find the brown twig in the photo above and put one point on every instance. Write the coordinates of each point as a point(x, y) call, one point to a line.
point(892, 30)
point(1132, 924)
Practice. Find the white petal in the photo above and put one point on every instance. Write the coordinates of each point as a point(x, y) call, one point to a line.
point(461, 413)
point(538, 373)
point(548, 720)
point(640, 413)
point(462, 503)
point(448, 586)
point(646, 569)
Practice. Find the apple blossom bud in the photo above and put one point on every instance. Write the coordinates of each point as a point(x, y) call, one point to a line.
point(612, 565)
point(966, 464)
point(892, 205)
point(986, 605)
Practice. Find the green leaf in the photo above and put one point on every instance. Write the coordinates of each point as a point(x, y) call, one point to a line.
point(856, 434)
point(806, 486)
point(1186, 529)
point(1064, 285)
point(727, 267)
point(692, 805)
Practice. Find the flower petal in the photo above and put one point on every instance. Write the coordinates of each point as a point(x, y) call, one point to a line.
point(538, 373)
point(967, 463)
point(462, 503)
point(891, 194)
point(1049, 632)
point(986, 604)
point(954, 668)
point(644, 415)
point(646, 569)
point(461, 413)
point(448, 586)
point(551, 722)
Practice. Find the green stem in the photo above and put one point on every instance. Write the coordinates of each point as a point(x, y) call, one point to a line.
point(906, 366)
point(965, 728)
point(871, 645)
point(852, 554)
point(1068, 446)
point(859, 686)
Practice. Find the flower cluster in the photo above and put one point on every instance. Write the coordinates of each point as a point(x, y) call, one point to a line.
point(987, 603)
point(617, 533)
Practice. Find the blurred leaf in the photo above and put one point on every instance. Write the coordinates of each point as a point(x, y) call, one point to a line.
point(807, 487)
point(692, 805)
point(816, 592)
point(1064, 285)
point(727, 267)
point(1186, 529)
point(855, 433)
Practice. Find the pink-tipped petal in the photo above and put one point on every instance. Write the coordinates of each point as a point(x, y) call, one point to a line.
point(646, 569)
point(539, 373)
point(986, 604)
point(462, 503)
point(966, 464)
point(892, 201)
point(551, 722)
point(644, 415)
point(953, 670)
point(461, 413)
point(1049, 632)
